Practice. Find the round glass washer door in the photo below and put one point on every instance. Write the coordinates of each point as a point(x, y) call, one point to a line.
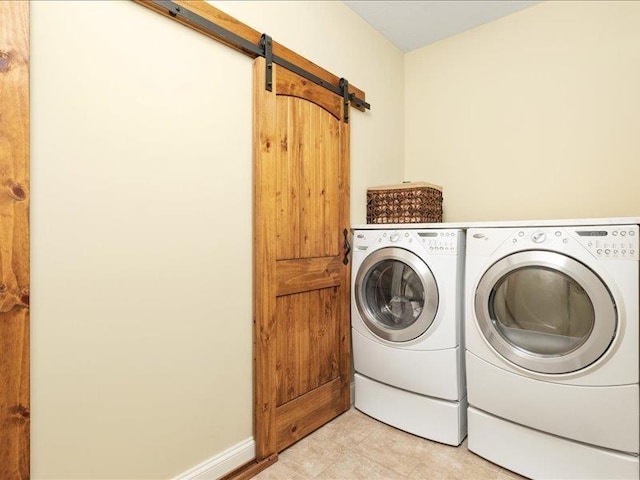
point(545, 312)
point(396, 294)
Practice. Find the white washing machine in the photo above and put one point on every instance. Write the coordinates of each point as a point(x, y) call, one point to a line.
point(406, 314)
point(552, 349)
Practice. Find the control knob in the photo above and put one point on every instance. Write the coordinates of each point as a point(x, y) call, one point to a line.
point(539, 237)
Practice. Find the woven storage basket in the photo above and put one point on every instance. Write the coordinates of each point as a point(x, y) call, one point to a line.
point(416, 202)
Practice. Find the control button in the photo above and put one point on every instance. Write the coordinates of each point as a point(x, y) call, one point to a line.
point(623, 233)
point(632, 233)
point(632, 252)
point(624, 251)
point(539, 237)
point(515, 240)
point(406, 234)
point(558, 233)
point(615, 233)
point(394, 237)
point(599, 251)
point(615, 252)
point(607, 251)
point(564, 240)
point(521, 234)
point(590, 244)
point(384, 234)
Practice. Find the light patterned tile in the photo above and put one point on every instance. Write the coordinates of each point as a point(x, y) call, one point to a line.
point(358, 467)
point(279, 471)
point(312, 455)
point(509, 475)
point(453, 464)
point(432, 471)
point(397, 450)
point(350, 428)
point(469, 460)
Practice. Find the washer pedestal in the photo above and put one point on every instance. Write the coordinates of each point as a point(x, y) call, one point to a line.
point(427, 417)
point(539, 455)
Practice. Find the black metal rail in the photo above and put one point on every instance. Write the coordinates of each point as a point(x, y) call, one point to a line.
point(263, 49)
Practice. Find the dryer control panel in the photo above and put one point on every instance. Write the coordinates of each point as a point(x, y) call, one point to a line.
point(609, 242)
point(604, 242)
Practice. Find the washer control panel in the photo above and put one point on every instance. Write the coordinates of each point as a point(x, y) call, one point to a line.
point(436, 242)
point(440, 241)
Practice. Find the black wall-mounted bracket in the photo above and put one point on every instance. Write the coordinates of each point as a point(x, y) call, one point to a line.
point(267, 50)
point(344, 86)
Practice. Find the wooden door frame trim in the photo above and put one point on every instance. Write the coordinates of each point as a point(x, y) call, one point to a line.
point(14, 241)
point(220, 19)
point(264, 274)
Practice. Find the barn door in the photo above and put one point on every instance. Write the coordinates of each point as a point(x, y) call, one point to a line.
point(301, 205)
point(14, 240)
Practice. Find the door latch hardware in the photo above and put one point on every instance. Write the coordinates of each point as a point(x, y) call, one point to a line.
point(347, 246)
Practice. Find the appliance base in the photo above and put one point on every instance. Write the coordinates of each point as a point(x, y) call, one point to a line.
point(539, 455)
point(440, 420)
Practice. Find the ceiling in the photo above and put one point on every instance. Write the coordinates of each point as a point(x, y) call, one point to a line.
point(414, 24)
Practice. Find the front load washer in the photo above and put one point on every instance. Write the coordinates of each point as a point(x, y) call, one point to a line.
point(406, 314)
point(552, 349)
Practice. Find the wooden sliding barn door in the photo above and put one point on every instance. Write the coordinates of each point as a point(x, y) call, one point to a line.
point(14, 240)
point(301, 208)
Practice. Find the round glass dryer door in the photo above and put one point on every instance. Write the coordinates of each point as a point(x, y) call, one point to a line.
point(545, 312)
point(396, 294)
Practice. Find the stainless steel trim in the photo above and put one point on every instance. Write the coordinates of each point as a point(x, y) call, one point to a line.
point(604, 307)
point(428, 314)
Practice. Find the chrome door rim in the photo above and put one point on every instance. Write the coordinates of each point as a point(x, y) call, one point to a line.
point(597, 342)
point(428, 314)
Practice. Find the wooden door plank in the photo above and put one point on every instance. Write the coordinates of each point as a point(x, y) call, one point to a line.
point(264, 231)
point(288, 186)
point(306, 413)
point(294, 276)
point(14, 240)
point(218, 17)
point(344, 303)
point(332, 213)
point(330, 344)
point(300, 334)
point(286, 316)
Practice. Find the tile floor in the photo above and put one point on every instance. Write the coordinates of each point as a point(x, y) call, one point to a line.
point(355, 446)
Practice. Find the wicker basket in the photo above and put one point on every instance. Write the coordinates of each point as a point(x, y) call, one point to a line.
point(416, 202)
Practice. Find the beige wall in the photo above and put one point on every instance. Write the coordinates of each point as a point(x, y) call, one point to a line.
point(335, 37)
point(141, 224)
point(535, 115)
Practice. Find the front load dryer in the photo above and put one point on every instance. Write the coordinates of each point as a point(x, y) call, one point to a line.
point(406, 313)
point(552, 349)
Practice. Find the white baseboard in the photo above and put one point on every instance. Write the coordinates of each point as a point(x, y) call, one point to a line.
point(223, 463)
